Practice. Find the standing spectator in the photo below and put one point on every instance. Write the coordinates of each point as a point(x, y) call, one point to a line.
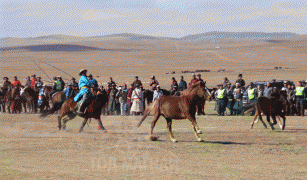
point(112, 100)
point(221, 97)
point(157, 93)
point(268, 90)
point(129, 101)
point(252, 96)
point(225, 83)
point(194, 79)
point(241, 81)
point(16, 82)
point(285, 87)
point(122, 98)
point(28, 81)
point(300, 94)
point(137, 101)
point(238, 96)
point(199, 78)
point(260, 91)
point(33, 81)
point(153, 83)
point(230, 98)
point(110, 84)
point(182, 84)
point(137, 82)
point(174, 85)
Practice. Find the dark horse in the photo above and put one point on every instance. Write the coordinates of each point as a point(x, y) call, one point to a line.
point(15, 100)
point(30, 97)
point(92, 111)
point(178, 107)
point(273, 107)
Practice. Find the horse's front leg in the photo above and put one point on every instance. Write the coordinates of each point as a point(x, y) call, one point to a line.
point(271, 124)
point(83, 124)
point(195, 128)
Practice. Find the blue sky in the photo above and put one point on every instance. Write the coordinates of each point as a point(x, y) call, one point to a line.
point(177, 18)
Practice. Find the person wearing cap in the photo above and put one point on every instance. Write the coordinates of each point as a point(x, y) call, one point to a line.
point(28, 81)
point(241, 81)
point(238, 97)
point(110, 84)
point(225, 83)
point(33, 81)
point(16, 82)
point(157, 93)
point(182, 84)
point(199, 78)
point(74, 82)
point(300, 95)
point(260, 91)
point(69, 91)
point(194, 79)
point(230, 98)
point(221, 100)
point(60, 84)
point(137, 82)
point(113, 99)
point(122, 98)
point(153, 83)
point(267, 92)
point(6, 85)
point(252, 95)
point(137, 107)
point(174, 85)
point(285, 87)
point(94, 83)
point(84, 93)
point(39, 83)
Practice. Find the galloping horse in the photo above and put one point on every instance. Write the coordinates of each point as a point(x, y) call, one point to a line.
point(178, 107)
point(92, 111)
point(273, 107)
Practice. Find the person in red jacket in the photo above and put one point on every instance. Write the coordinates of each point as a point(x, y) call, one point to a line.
point(16, 82)
point(33, 81)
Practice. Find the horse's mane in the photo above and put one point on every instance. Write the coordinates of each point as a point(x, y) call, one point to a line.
point(192, 87)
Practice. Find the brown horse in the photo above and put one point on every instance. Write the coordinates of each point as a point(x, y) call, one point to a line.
point(15, 100)
point(30, 97)
point(92, 111)
point(178, 107)
point(273, 107)
point(56, 103)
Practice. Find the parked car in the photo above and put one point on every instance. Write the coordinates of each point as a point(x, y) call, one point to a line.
point(279, 84)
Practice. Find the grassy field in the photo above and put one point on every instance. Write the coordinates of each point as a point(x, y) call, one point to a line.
point(33, 148)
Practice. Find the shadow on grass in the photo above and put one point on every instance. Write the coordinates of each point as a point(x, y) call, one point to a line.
point(292, 131)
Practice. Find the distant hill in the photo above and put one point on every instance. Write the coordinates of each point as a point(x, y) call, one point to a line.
point(210, 37)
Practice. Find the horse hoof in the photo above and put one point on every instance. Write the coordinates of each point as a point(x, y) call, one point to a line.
point(200, 140)
point(174, 140)
point(153, 138)
point(199, 132)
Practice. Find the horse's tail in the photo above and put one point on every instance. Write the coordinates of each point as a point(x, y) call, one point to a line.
point(149, 109)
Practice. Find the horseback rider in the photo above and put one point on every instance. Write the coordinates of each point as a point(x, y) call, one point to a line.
point(16, 82)
point(94, 84)
point(153, 83)
point(69, 91)
point(6, 84)
point(73, 82)
point(33, 81)
point(85, 93)
point(39, 83)
point(60, 84)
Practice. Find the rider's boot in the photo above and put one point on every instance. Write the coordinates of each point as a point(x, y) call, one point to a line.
point(81, 108)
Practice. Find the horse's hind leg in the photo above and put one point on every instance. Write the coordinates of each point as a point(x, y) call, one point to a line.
point(284, 121)
point(59, 122)
point(100, 125)
point(271, 124)
point(169, 127)
point(153, 124)
point(255, 119)
point(83, 124)
point(194, 125)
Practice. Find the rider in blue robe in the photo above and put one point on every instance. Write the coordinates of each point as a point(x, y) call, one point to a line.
point(84, 93)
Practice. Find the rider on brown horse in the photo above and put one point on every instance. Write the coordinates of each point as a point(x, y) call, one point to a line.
point(84, 93)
